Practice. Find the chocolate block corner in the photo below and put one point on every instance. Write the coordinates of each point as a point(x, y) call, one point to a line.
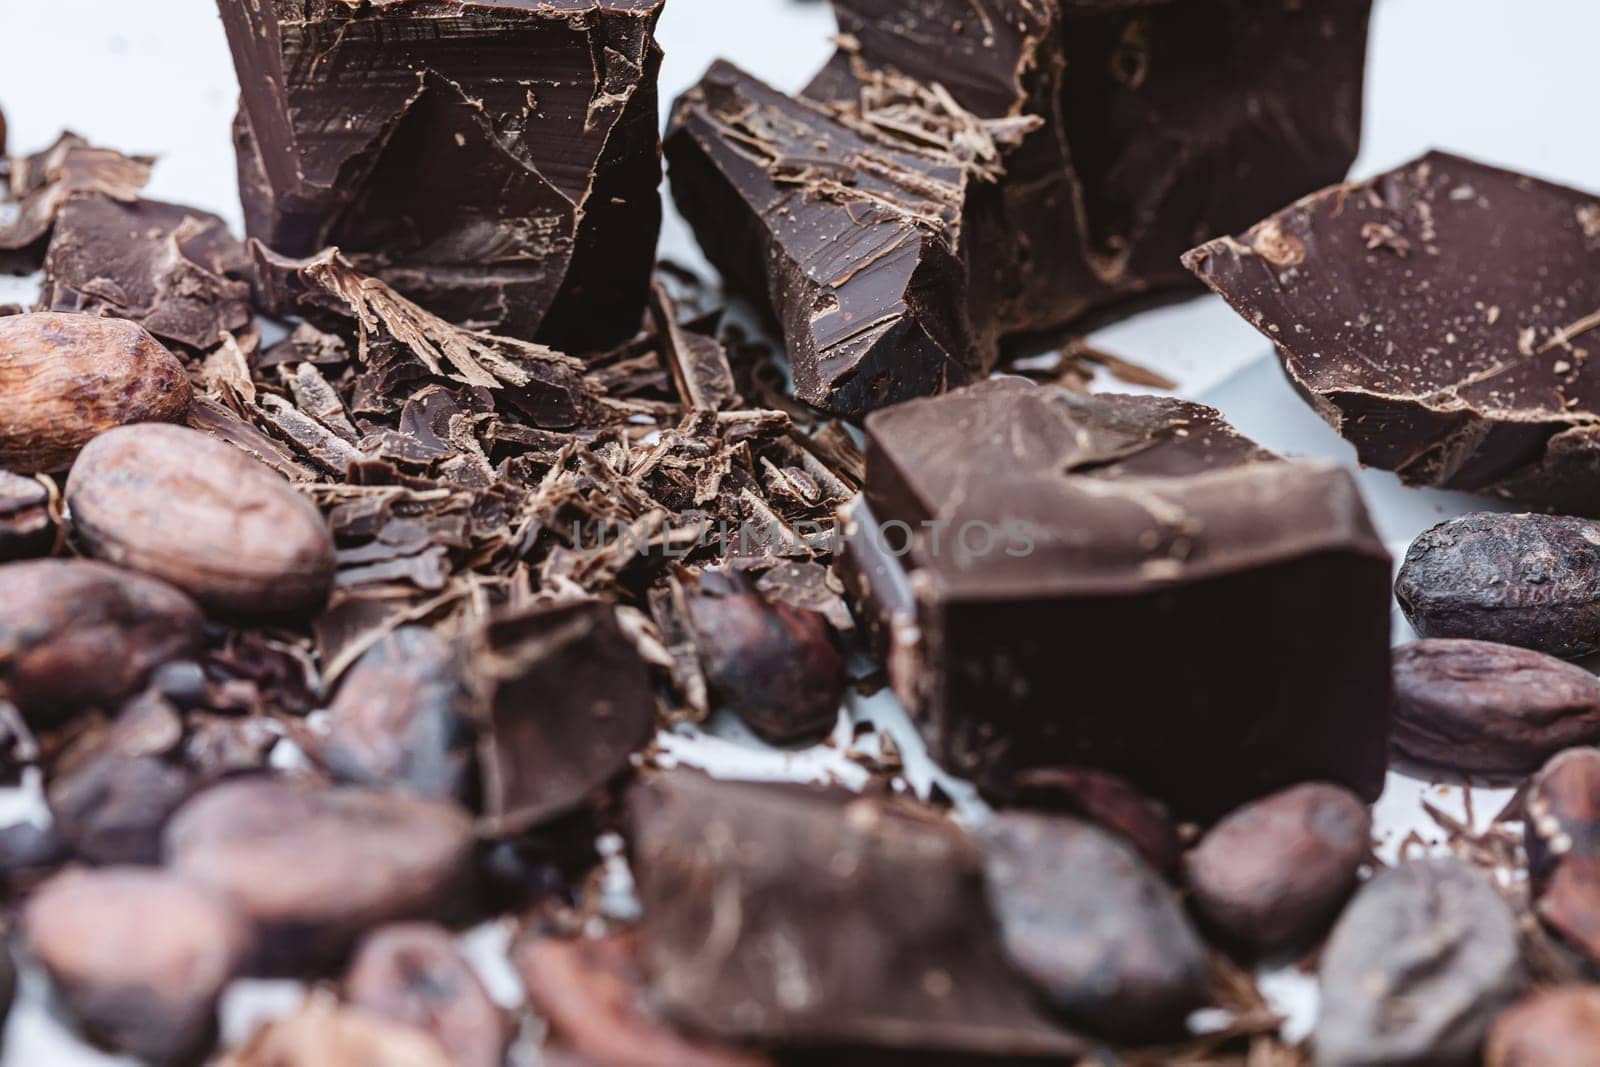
point(497, 162)
point(1124, 583)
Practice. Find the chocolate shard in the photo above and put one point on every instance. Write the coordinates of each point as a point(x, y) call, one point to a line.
point(568, 701)
point(496, 160)
point(1446, 373)
point(1160, 121)
point(45, 182)
point(852, 235)
point(814, 920)
point(1029, 553)
point(175, 270)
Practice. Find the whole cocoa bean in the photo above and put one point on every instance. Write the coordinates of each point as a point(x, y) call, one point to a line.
point(64, 379)
point(112, 808)
point(1110, 802)
point(1276, 872)
point(30, 517)
point(1475, 706)
point(771, 663)
point(1569, 905)
point(1527, 580)
point(138, 955)
point(187, 508)
point(1563, 810)
point(1560, 1028)
point(1097, 932)
point(328, 1035)
point(1417, 968)
point(401, 718)
point(413, 973)
point(76, 634)
point(315, 867)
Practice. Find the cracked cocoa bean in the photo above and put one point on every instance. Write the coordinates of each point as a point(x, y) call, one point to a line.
point(1558, 1028)
point(1417, 968)
point(1275, 873)
point(64, 379)
point(1095, 930)
point(215, 522)
point(1563, 810)
point(138, 956)
point(77, 634)
point(1526, 580)
point(1480, 707)
point(1110, 802)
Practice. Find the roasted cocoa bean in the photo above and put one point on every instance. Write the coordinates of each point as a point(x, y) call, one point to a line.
point(208, 518)
point(315, 867)
point(329, 1035)
point(1096, 931)
point(1569, 905)
point(139, 957)
point(112, 808)
point(401, 719)
point(1417, 968)
point(28, 852)
point(771, 663)
point(1276, 872)
point(1526, 580)
point(1559, 1028)
point(30, 517)
point(1479, 707)
point(64, 379)
point(76, 634)
point(1563, 810)
point(1110, 802)
point(413, 973)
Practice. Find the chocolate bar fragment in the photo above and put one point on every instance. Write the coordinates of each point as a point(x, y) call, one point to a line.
point(1124, 583)
point(1439, 317)
point(495, 160)
point(795, 918)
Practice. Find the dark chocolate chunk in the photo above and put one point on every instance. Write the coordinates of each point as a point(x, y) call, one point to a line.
point(1563, 810)
point(568, 703)
point(413, 973)
point(1275, 873)
point(1476, 706)
point(174, 270)
point(1550, 1029)
point(497, 161)
point(139, 957)
point(800, 918)
point(1526, 580)
point(1110, 802)
point(1418, 967)
point(46, 182)
point(1389, 324)
point(314, 867)
point(402, 719)
point(1096, 931)
point(1030, 553)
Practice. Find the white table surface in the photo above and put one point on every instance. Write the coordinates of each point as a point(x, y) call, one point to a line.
point(1507, 81)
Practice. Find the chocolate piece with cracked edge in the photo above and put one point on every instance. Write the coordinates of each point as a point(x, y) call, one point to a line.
point(1438, 317)
point(1110, 533)
point(852, 236)
point(813, 920)
point(496, 160)
point(1161, 122)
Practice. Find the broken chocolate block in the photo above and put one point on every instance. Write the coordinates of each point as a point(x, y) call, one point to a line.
point(1438, 317)
point(568, 702)
point(45, 182)
point(497, 161)
point(797, 918)
point(1124, 583)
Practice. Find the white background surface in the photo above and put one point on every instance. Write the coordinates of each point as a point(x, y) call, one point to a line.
point(1509, 81)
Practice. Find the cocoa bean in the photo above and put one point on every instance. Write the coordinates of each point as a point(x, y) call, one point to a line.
point(1569, 905)
point(1559, 1028)
point(76, 634)
point(413, 973)
point(1096, 931)
point(208, 518)
point(65, 379)
point(139, 956)
point(1110, 802)
point(315, 867)
point(30, 517)
point(1479, 707)
point(401, 719)
point(1275, 873)
point(1563, 810)
point(771, 663)
point(112, 808)
point(1527, 580)
point(1417, 968)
